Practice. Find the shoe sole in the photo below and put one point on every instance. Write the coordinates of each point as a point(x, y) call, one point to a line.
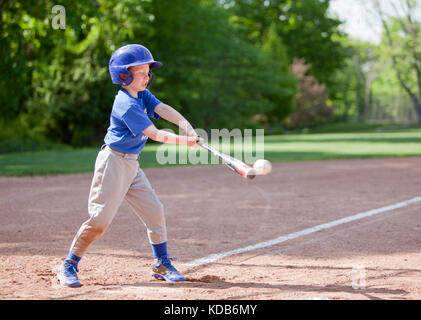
point(72, 285)
point(158, 276)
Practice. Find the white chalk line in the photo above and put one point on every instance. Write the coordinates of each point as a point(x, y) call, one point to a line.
point(217, 256)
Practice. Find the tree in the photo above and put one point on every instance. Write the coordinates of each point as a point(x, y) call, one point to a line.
point(276, 52)
point(311, 100)
point(210, 73)
point(366, 69)
point(402, 36)
point(304, 27)
point(57, 80)
point(21, 28)
point(71, 92)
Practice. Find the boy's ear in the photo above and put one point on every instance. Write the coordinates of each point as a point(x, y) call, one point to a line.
point(123, 76)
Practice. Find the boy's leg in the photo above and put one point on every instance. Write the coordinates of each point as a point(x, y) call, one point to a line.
point(112, 178)
point(145, 203)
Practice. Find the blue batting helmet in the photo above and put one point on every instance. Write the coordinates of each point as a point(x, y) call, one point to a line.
point(128, 56)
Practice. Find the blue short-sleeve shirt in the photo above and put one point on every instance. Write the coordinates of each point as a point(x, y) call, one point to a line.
point(129, 117)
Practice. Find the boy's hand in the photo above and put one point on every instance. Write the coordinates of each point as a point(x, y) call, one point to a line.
point(190, 133)
point(192, 141)
point(168, 137)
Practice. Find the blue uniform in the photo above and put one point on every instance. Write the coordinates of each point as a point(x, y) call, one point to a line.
point(129, 117)
point(117, 174)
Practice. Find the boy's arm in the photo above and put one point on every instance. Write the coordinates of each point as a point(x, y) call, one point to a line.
point(170, 114)
point(168, 137)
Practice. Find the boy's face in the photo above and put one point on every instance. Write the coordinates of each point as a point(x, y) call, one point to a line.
point(140, 77)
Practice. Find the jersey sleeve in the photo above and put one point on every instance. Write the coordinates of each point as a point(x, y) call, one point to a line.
point(151, 102)
point(136, 120)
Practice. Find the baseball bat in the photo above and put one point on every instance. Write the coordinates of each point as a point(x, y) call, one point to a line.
point(234, 164)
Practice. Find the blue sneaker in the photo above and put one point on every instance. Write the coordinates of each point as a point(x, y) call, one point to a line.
point(163, 270)
point(67, 276)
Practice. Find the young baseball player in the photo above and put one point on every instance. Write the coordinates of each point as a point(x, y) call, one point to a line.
point(117, 173)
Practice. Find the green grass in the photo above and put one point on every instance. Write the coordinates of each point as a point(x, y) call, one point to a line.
point(291, 147)
point(355, 127)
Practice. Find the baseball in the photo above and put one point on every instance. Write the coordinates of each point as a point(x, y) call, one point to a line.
point(262, 166)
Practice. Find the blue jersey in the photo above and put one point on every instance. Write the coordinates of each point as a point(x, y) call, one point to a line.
point(129, 117)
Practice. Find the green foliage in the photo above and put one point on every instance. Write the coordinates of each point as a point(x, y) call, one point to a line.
point(17, 136)
point(19, 33)
point(399, 60)
point(370, 88)
point(226, 65)
point(73, 93)
point(355, 80)
point(401, 38)
point(304, 27)
point(311, 100)
point(59, 78)
point(406, 49)
point(210, 73)
point(276, 51)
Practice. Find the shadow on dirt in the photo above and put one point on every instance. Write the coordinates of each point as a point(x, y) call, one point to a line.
point(215, 283)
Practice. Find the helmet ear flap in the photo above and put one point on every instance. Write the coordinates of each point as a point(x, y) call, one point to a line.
point(126, 77)
point(121, 76)
point(151, 76)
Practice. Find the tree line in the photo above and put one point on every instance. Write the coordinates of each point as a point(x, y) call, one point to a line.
point(227, 64)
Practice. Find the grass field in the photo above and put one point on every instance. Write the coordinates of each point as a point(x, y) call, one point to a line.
point(304, 147)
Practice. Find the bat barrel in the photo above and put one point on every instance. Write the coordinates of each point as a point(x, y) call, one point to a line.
point(236, 165)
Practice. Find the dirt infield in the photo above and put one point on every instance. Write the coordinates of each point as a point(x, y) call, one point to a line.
point(209, 210)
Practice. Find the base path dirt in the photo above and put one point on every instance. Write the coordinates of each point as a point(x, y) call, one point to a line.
point(211, 210)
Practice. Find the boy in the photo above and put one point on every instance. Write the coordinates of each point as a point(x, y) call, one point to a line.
point(117, 173)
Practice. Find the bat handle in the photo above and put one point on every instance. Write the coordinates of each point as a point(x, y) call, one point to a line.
point(203, 145)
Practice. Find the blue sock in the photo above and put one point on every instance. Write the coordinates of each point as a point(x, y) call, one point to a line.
point(159, 250)
point(73, 258)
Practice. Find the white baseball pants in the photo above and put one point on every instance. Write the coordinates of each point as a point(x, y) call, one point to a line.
point(118, 176)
